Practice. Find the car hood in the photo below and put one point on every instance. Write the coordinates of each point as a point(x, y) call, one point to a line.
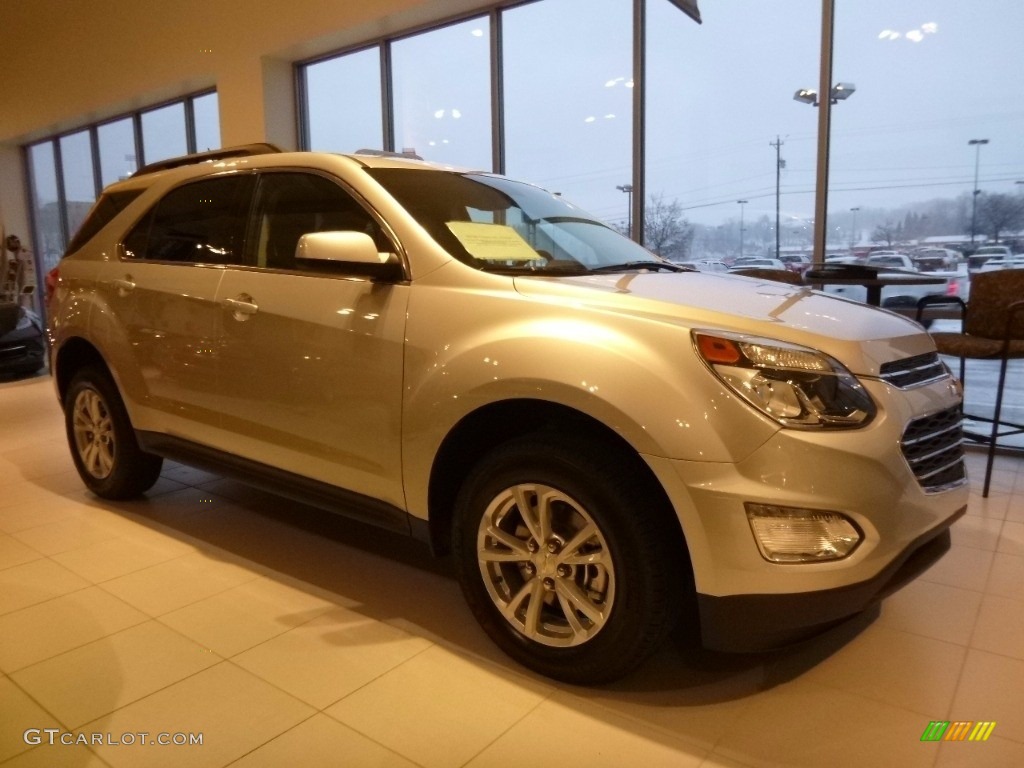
point(861, 337)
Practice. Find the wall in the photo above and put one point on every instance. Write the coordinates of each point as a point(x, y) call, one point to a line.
point(68, 64)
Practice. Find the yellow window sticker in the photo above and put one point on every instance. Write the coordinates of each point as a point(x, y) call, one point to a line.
point(492, 242)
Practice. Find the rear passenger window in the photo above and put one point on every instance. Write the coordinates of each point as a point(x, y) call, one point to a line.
point(107, 207)
point(203, 222)
point(290, 205)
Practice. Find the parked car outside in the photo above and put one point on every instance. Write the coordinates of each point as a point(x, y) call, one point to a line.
point(606, 442)
point(935, 260)
point(901, 296)
point(978, 259)
point(999, 263)
point(22, 341)
point(795, 262)
point(707, 265)
point(752, 263)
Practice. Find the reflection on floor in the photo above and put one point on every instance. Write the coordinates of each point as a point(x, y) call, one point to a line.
point(289, 637)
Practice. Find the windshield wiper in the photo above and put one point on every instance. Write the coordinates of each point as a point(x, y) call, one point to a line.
point(625, 267)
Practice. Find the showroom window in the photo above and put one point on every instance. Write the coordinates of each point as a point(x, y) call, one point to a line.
point(163, 133)
point(343, 103)
point(568, 79)
point(67, 172)
point(441, 94)
point(117, 150)
point(713, 120)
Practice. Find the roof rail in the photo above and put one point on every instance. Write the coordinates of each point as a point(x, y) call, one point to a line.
point(245, 150)
point(408, 154)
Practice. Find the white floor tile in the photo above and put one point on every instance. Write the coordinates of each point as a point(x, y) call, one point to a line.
point(208, 608)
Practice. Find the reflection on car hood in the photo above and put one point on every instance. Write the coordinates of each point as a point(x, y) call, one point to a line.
point(862, 337)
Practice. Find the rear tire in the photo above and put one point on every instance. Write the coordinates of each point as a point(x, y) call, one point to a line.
point(566, 559)
point(102, 440)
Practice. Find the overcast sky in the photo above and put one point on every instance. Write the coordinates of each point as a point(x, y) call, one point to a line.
point(930, 75)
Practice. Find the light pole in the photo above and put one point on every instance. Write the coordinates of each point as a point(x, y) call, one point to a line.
point(835, 94)
point(742, 203)
point(977, 144)
point(779, 165)
point(853, 235)
point(628, 189)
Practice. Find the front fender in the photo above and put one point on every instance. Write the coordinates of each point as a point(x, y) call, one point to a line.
point(639, 377)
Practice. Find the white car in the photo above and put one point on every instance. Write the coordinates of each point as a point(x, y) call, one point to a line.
point(707, 265)
point(1005, 262)
point(752, 263)
point(607, 442)
point(986, 253)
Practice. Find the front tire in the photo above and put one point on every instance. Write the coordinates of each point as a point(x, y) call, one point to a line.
point(102, 440)
point(566, 559)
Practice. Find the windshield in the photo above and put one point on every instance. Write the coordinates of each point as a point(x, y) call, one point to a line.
point(495, 224)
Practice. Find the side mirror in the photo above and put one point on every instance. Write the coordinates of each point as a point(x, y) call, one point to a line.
point(349, 252)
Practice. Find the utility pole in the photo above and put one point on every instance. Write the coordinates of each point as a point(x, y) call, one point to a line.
point(779, 165)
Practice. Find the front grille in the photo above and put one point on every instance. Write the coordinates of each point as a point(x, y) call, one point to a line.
point(912, 371)
point(933, 447)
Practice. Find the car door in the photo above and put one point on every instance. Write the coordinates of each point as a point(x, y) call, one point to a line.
point(162, 293)
point(311, 362)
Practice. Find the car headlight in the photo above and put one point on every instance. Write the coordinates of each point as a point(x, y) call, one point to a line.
point(796, 386)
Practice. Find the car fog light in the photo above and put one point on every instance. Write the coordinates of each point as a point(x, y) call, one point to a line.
point(792, 535)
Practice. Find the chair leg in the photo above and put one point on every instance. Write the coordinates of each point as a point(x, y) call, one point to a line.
point(995, 426)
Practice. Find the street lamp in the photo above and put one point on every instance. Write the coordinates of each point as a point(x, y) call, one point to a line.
point(628, 189)
point(839, 92)
point(742, 203)
point(977, 144)
point(853, 235)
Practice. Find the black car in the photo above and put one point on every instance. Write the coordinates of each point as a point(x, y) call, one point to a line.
point(22, 348)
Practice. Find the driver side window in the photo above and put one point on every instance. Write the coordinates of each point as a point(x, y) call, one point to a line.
point(290, 205)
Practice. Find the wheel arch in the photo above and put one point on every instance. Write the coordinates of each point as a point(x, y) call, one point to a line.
point(494, 424)
point(75, 354)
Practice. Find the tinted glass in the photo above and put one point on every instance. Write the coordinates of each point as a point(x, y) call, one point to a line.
point(203, 222)
point(497, 224)
point(290, 205)
point(106, 208)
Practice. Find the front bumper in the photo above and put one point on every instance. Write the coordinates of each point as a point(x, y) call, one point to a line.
point(749, 603)
point(746, 623)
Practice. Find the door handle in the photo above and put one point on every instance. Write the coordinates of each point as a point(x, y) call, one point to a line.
point(124, 285)
point(242, 306)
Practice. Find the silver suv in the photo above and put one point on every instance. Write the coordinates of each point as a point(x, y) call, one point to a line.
point(608, 443)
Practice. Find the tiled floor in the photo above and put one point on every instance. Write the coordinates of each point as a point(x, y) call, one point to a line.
point(288, 637)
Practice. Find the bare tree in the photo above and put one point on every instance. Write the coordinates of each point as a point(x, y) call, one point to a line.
point(887, 233)
point(998, 213)
point(666, 230)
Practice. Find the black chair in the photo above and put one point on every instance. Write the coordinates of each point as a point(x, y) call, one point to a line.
point(992, 328)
